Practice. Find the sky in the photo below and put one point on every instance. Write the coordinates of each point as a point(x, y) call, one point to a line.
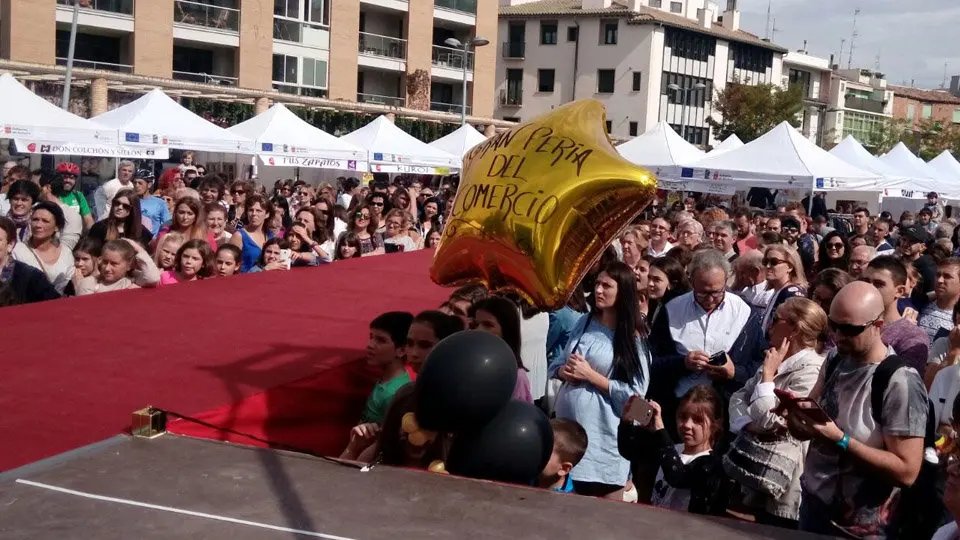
point(912, 37)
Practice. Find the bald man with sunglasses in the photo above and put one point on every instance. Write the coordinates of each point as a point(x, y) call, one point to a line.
point(853, 463)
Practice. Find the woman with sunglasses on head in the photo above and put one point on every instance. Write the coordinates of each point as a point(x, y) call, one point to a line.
point(123, 221)
point(362, 224)
point(42, 250)
point(784, 273)
point(251, 238)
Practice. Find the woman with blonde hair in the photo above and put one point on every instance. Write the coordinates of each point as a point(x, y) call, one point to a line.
point(784, 273)
point(792, 364)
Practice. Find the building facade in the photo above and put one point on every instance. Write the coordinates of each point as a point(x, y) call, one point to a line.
point(812, 75)
point(647, 60)
point(389, 52)
point(860, 105)
point(914, 106)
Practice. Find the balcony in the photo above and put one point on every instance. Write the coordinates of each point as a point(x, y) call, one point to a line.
point(90, 64)
point(514, 49)
point(466, 6)
point(450, 58)
point(864, 104)
point(302, 32)
point(385, 46)
point(123, 7)
point(206, 15)
point(452, 108)
point(391, 101)
point(511, 98)
point(205, 78)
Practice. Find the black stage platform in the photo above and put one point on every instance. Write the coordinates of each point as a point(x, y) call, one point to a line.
point(179, 487)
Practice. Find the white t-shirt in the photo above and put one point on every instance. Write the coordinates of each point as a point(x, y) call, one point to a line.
point(344, 200)
point(667, 496)
point(652, 251)
point(533, 351)
point(943, 391)
point(59, 273)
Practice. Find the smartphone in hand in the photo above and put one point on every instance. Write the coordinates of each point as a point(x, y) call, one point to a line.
point(718, 359)
point(807, 406)
point(639, 411)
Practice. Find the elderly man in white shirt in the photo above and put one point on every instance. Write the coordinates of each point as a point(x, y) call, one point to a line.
point(659, 238)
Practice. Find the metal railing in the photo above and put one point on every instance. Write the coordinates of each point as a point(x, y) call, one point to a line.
point(449, 57)
point(453, 108)
point(206, 78)
point(90, 64)
point(863, 104)
point(511, 99)
point(124, 7)
point(203, 14)
point(466, 6)
point(514, 49)
point(305, 33)
point(295, 90)
point(377, 45)
point(393, 101)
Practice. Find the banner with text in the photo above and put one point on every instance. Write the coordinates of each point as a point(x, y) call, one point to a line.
point(76, 149)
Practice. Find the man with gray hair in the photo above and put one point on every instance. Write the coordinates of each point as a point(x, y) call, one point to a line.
point(860, 257)
point(707, 336)
point(103, 197)
point(723, 235)
point(689, 233)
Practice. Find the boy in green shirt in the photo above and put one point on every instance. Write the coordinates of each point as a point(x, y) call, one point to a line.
point(387, 350)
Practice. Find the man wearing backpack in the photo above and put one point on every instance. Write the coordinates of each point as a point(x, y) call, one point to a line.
point(876, 440)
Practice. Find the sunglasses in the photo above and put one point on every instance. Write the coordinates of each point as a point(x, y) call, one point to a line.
point(238, 192)
point(837, 246)
point(771, 262)
point(790, 229)
point(849, 330)
point(122, 205)
point(376, 204)
point(362, 216)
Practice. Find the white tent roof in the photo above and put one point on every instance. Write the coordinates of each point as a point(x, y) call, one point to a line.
point(730, 143)
point(39, 126)
point(460, 141)
point(947, 165)
point(783, 158)
point(900, 158)
point(156, 119)
point(392, 150)
point(661, 150)
point(284, 139)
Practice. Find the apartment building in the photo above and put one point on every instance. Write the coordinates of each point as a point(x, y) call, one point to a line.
point(860, 104)
point(647, 60)
point(812, 74)
point(914, 106)
point(391, 52)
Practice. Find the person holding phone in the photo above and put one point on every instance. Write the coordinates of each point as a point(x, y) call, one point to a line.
point(791, 364)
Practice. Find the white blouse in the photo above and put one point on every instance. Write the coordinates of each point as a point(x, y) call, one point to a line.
point(59, 273)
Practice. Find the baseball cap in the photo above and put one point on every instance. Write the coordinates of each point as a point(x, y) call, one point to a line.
point(915, 233)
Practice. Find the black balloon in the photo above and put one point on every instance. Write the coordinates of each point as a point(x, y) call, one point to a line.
point(464, 382)
point(513, 447)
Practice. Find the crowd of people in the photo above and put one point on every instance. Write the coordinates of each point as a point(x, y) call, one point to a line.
point(758, 364)
point(137, 230)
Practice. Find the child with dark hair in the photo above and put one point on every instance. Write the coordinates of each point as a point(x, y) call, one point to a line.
point(569, 446)
point(228, 260)
point(386, 350)
point(428, 328)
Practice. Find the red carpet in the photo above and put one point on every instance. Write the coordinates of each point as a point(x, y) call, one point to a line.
point(73, 370)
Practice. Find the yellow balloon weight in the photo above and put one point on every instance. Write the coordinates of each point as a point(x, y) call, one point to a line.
point(538, 204)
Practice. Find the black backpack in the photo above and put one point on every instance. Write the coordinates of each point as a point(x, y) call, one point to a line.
point(920, 510)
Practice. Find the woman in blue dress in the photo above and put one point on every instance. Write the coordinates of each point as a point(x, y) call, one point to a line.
point(251, 238)
point(605, 362)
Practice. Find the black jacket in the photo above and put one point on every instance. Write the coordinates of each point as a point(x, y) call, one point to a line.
point(30, 285)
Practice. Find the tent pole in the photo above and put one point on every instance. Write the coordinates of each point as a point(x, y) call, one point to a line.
point(68, 77)
point(810, 204)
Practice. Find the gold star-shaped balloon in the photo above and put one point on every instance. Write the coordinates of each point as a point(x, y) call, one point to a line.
point(538, 204)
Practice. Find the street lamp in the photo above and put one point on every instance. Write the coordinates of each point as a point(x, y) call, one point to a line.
point(465, 50)
point(684, 97)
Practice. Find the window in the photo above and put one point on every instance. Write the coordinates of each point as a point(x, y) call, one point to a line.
point(927, 111)
point(911, 111)
point(752, 58)
point(545, 80)
point(605, 80)
point(656, 3)
point(314, 72)
point(285, 69)
point(676, 7)
point(694, 98)
point(514, 93)
point(634, 129)
point(637, 79)
point(609, 126)
point(956, 116)
point(548, 33)
point(314, 11)
point(690, 45)
point(608, 35)
point(801, 79)
point(573, 33)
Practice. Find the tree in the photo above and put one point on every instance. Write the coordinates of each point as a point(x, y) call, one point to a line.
point(750, 111)
point(883, 138)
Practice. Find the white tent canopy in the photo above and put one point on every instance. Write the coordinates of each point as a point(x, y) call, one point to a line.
point(782, 158)
point(283, 139)
point(947, 166)
point(156, 119)
point(38, 126)
point(460, 141)
point(730, 143)
point(895, 184)
point(901, 159)
point(392, 150)
point(662, 151)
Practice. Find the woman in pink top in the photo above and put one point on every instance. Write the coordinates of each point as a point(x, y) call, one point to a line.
point(189, 220)
point(195, 261)
point(501, 317)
